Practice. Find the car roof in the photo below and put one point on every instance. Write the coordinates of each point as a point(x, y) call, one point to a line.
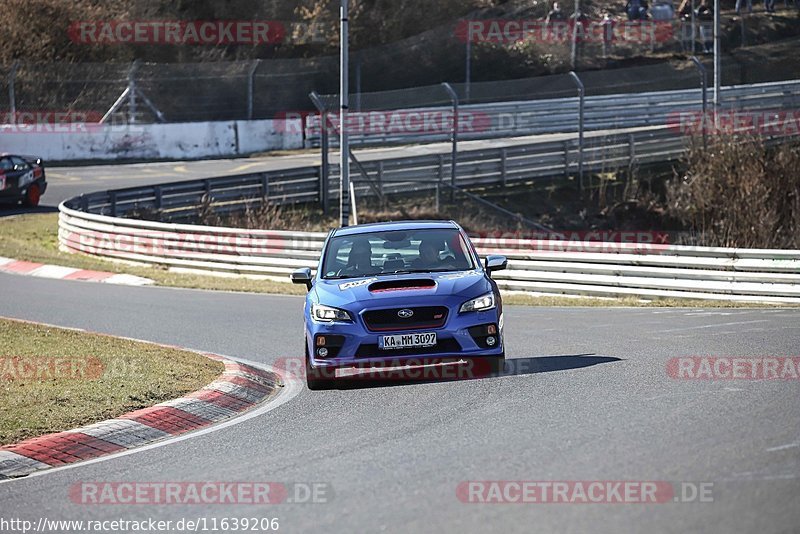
point(396, 225)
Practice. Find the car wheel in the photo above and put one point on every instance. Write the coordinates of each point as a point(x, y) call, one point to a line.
point(32, 196)
point(314, 377)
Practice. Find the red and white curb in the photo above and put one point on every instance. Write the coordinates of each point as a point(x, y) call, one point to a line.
point(238, 389)
point(9, 265)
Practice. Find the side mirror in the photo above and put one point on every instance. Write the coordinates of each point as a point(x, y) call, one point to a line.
point(302, 276)
point(495, 263)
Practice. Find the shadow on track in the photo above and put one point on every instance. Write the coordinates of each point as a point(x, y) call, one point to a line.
point(513, 367)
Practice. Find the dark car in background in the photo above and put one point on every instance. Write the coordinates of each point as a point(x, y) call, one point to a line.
point(22, 179)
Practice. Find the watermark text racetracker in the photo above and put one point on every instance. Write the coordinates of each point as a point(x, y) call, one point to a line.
point(583, 492)
point(781, 122)
point(563, 31)
point(254, 243)
point(734, 368)
point(389, 122)
point(30, 368)
point(198, 32)
point(176, 32)
point(50, 121)
point(200, 493)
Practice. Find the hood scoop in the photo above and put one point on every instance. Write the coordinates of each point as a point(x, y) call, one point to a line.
point(402, 285)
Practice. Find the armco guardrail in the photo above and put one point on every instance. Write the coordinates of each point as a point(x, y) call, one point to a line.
point(545, 116)
point(514, 161)
point(95, 223)
point(181, 200)
point(535, 266)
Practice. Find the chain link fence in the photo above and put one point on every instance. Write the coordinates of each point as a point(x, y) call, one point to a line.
point(466, 56)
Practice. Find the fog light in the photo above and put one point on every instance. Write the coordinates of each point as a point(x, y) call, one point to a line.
point(491, 340)
point(322, 352)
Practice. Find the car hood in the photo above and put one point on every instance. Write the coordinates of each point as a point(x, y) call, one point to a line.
point(351, 291)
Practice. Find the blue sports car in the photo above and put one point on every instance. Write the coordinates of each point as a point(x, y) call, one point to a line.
point(400, 293)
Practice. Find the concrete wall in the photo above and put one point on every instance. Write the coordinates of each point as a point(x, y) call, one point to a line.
point(188, 140)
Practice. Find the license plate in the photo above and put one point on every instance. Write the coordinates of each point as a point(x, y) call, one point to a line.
point(405, 341)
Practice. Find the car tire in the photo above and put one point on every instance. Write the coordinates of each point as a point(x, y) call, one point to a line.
point(313, 379)
point(32, 196)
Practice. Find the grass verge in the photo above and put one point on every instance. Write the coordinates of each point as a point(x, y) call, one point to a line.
point(55, 379)
point(35, 238)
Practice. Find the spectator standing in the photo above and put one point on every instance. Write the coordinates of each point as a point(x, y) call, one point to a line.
point(555, 14)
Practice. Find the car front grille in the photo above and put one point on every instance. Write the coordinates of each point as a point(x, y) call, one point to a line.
point(389, 320)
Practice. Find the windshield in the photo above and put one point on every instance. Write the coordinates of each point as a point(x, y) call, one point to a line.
point(396, 251)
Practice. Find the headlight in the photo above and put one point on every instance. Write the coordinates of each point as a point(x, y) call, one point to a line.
point(484, 302)
point(326, 314)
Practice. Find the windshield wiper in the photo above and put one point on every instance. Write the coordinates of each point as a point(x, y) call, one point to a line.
point(422, 271)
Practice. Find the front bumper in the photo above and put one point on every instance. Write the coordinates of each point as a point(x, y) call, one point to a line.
point(358, 346)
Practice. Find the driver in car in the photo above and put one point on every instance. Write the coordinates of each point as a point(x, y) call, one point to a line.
point(360, 259)
point(428, 255)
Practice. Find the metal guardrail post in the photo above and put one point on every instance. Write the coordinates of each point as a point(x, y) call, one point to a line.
point(468, 68)
point(717, 62)
point(112, 200)
point(157, 196)
point(324, 119)
point(440, 180)
point(323, 187)
point(581, 101)
point(503, 157)
point(381, 194)
point(325, 164)
point(250, 89)
point(704, 89)
point(454, 156)
point(631, 153)
point(344, 104)
point(132, 92)
point(265, 186)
